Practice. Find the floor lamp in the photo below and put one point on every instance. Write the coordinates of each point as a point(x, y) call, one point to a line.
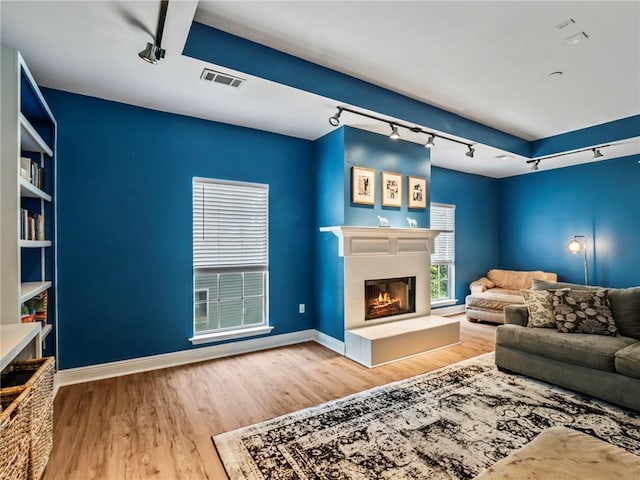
point(576, 246)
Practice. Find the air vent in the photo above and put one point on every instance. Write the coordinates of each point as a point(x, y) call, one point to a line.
point(221, 78)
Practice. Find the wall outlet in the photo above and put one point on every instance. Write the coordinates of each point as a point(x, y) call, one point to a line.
point(301, 308)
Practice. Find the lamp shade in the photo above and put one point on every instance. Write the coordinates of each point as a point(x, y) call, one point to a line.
point(575, 246)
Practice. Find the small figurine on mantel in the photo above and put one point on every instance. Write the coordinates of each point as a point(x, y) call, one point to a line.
point(382, 221)
point(413, 223)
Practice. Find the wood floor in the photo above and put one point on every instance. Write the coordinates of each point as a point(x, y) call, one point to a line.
point(158, 425)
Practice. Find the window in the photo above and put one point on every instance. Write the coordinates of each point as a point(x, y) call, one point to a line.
point(443, 217)
point(230, 259)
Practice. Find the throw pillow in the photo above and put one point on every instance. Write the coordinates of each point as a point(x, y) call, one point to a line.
point(539, 306)
point(583, 311)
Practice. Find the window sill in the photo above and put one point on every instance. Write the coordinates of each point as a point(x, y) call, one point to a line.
point(444, 303)
point(229, 335)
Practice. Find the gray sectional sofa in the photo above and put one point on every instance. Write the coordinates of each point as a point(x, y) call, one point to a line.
point(604, 367)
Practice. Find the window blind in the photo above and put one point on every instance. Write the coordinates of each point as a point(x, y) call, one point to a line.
point(443, 217)
point(230, 225)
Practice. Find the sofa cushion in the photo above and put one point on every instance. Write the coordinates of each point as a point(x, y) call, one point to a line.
point(539, 307)
point(517, 280)
point(583, 311)
point(592, 351)
point(547, 285)
point(494, 299)
point(628, 361)
point(625, 304)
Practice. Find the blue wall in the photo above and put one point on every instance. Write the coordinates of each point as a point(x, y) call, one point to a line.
point(541, 212)
point(379, 152)
point(124, 224)
point(477, 222)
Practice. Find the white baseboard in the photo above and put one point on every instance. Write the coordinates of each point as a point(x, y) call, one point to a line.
point(143, 364)
point(329, 342)
point(444, 311)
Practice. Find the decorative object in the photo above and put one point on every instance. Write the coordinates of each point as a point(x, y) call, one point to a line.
point(539, 305)
point(448, 424)
point(391, 189)
point(363, 185)
point(413, 223)
point(383, 221)
point(583, 311)
point(416, 192)
point(576, 246)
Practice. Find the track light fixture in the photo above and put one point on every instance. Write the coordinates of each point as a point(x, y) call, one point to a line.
point(595, 150)
point(395, 134)
point(430, 142)
point(335, 120)
point(153, 51)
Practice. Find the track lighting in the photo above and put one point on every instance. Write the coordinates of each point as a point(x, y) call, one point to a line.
point(153, 51)
point(395, 134)
point(335, 120)
point(595, 150)
point(430, 142)
point(470, 152)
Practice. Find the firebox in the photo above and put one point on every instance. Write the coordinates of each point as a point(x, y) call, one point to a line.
point(389, 296)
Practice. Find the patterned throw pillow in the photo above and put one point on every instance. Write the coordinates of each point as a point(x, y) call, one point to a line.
point(583, 311)
point(539, 306)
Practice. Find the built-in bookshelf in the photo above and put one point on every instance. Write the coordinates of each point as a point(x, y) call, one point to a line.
point(27, 192)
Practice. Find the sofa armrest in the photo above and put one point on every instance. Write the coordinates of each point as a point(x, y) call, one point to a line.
point(516, 315)
point(480, 285)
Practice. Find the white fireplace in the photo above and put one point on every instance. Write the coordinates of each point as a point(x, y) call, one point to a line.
point(379, 256)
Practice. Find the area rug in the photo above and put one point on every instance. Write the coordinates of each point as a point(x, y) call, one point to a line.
point(448, 424)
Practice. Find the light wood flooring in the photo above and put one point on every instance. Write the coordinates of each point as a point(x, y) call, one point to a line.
point(158, 425)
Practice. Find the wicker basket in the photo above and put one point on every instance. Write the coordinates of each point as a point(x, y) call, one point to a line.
point(39, 374)
point(15, 436)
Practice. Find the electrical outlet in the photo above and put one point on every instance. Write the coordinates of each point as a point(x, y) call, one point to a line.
point(301, 308)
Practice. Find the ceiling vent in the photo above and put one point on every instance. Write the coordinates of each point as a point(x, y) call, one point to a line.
point(221, 78)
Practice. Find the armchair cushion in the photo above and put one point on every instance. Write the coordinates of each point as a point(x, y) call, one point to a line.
point(517, 280)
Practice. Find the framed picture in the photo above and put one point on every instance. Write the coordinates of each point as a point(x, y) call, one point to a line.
point(391, 189)
point(363, 185)
point(416, 192)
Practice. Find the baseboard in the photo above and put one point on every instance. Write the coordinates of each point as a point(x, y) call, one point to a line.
point(136, 365)
point(444, 311)
point(329, 342)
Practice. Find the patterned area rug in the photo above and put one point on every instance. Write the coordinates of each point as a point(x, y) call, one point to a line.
point(448, 424)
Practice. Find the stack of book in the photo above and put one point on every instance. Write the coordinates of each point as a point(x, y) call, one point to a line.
point(31, 226)
point(31, 172)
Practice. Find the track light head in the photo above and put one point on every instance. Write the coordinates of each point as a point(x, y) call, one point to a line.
point(394, 135)
point(152, 53)
point(470, 152)
point(430, 142)
point(335, 120)
point(597, 153)
point(535, 166)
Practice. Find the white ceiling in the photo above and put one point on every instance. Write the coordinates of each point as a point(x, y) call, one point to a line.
point(487, 61)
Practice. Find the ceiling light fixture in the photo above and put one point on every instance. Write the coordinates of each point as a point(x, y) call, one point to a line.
point(470, 152)
point(595, 150)
point(335, 120)
point(395, 134)
point(430, 142)
point(535, 166)
point(153, 51)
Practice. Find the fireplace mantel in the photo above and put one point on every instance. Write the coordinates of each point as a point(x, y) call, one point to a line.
point(382, 240)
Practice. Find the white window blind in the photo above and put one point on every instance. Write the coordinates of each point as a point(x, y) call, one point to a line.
point(230, 225)
point(443, 217)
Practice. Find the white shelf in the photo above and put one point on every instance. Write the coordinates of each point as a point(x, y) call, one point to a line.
point(14, 338)
point(31, 289)
point(45, 331)
point(30, 139)
point(28, 189)
point(34, 243)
